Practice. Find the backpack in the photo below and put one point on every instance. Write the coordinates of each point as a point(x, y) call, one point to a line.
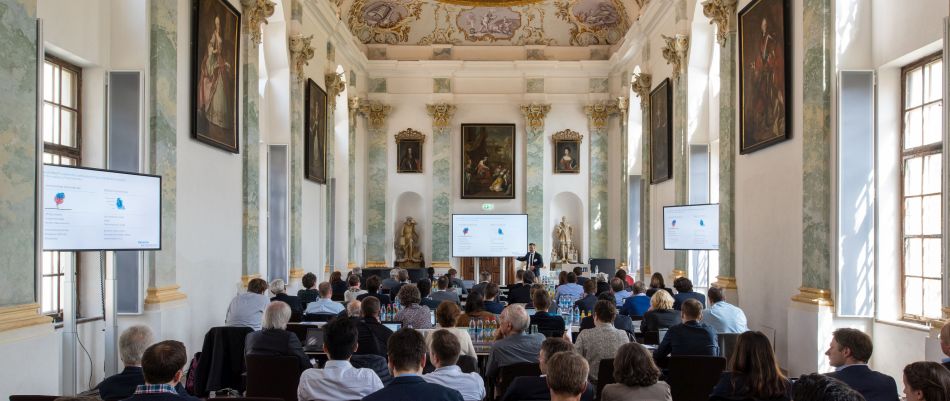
point(191, 376)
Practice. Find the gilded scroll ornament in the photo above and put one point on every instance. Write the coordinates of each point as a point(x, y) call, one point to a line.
point(375, 112)
point(335, 84)
point(301, 51)
point(256, 13)
point(642, 84)
point(675, 52)
point(599, 113)
point(441, 114)
point(535, 113)
point(722, 13)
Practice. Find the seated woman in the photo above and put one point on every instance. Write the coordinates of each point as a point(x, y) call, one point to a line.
point(474, 309)
point(274, 339)
point(661, 314)
point(446, 315)
point(308, 294)
point(338, 285)
point(412, 315)
point(354, 291)
point(926, 381)
point(656, 284)
point(602, 341)
point(373, 284)
point(753, 373)
point(637, 377)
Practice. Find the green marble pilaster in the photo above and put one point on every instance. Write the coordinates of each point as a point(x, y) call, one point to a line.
point(441, 114)
point(642, 85)
point(353, 108)
point(250, 154)
point(332, 80)
point(534, 114)
point(623, 104)
point(727, 158)
point(818, 39)
point(598, 116)
point(296, 160)
point(376, 114)
point(680, 143)
point(17, 151)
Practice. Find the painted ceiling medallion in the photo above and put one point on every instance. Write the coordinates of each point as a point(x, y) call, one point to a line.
point(490, 3)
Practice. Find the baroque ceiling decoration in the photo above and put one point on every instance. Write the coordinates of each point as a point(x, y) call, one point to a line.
point(490, 3)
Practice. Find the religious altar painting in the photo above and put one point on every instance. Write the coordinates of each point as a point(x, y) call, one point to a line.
point(567, 155)
point(215, 74)
point(488, 23)
point(764, 75)
point(661, 133)
point(409, 151)
point(315, 135)
point(488, 161)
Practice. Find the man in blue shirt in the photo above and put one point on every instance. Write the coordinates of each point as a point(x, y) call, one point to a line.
point(638, 304)
point(571, 289)
point(324, 304)
point(723, 316)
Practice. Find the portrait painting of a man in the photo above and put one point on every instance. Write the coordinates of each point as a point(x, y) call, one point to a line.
point(763, 75)
point(315, 125)
point(661, 133)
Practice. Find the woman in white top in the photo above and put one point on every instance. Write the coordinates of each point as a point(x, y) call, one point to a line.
point(354, 291)
point(446, 315)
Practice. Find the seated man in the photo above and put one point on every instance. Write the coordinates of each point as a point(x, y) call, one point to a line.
point(274, 339)
point(945, 344)
point(723, 316)
point(407, 356)
point(569, 290)
point(637, 305)
point(425, 288)
point(403, 278)
point(512, 344)
point(491, 299)
point(536, 387)
point(684, 291)
point(391, 282)
point(485, 279)
point(354, 309)
point(457, 283)
point(162, 367)
point(566, 378)
point(338, 380)
point(372, 290)
point(521, 294)
point(132, 344)
point(579, 274)
point(816, 387)
point(324, 304)
point(444, 351)
point(619, 289)
point(621, 322)
point(590, 297)
point(549, 324)
point(692, 337)
point(445, 292)
point(849, 354)
point(246, 309)
point(279, 289)
point(372, 334)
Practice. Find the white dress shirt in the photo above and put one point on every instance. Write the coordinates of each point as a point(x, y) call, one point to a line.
point(337, 381)
point(725, 318)
point(470, 385)
point(324, 305)
point(465, 340)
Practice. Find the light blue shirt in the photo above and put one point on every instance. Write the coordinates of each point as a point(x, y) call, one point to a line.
point(620, 296)
point(571, 290)
point(725, 318)
point(324, 305)
point(471, 385)
point(247, 310)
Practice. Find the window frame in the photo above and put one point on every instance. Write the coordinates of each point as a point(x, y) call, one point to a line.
point(903, 156)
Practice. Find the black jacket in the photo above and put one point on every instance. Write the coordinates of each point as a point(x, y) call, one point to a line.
point(536, 388)
point(655, 320)
point(222, 359)
point(736, 388)
point(586, 303)
point(651, 291)
point(494, 307)
point(373, 337)
point(690, 338)
point(536, 264)
point(519, 294)
point(874, 386)
point(276, 342)
point(549, 324)
point(374, 362)
point(383, 298)
point(679, 298)
point(122, 385)
point(296, 310)
point(414, 388)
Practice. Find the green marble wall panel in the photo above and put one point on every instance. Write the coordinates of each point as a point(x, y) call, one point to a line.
point(727, 156)
point(645, 188)
point(534, 170)
point(624, 181)
point(251, 156)
point(680, 158)
point(441, 194)
point(17, 151)
point(818, 30)
point(351, 182)
point(377, 85)
point(376, 175)
point(598, 193)
point(296, 157)
point(330, 204)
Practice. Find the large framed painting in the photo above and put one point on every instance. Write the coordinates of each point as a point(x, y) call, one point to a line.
point(315, 127)
point(488, 161)
point(215, 68)
point(764, 74)
point(661, 132)
point(567, 155)
point(409, 151)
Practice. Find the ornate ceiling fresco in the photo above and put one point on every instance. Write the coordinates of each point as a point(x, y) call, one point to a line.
point(490, 22)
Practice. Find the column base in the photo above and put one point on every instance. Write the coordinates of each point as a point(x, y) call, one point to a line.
point(375, 264)
point(20, 316)
point(296, 273)
point(164, 294)
point(814, 296)
point(810, 327)
point(442, 265)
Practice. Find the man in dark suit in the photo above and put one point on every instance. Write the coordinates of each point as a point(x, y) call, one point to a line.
point(372, 334)
point(849, 354)
point(372, 288)
point(549, 324)
point(491, 299)
point(521, 294)
point(407, 356)
point(533, 259)
point(621, 322)
point(279, 289)
point(162, 366)
point(578, 272)
point(484, 279)
point(587, 302)
point(684, 291)
point(692, 337)
point(132, 344)
point(536, 387)
point(274, 339)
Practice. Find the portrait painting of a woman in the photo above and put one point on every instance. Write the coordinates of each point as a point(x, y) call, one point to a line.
point(215, 69)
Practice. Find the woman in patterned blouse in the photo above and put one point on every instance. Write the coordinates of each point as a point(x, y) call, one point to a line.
point(412, 314)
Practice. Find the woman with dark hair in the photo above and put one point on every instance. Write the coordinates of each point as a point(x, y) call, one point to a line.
point(308, 294)
point(627, 279)
point(753, 372)
point(656, 284)
point(474, 309)
point(338, 286)
point(446, 315)
point(412, 314)
point(637, 377)
point(926, 381)
point(561, 278)
point(353, 282)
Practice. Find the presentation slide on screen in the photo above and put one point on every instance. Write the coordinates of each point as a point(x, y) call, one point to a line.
point(691, 227)
point(100, 210)
point(489, 235)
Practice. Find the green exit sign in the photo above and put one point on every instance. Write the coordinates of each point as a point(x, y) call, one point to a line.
point(488, 206)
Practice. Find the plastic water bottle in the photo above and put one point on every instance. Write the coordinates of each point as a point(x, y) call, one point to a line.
point(479, 326)
point(576, 316)
point(471, 328)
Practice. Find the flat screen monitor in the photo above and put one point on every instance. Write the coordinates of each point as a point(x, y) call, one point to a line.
point(489, 235)
point(314, 340)
point(692, 227)
point(96, 210)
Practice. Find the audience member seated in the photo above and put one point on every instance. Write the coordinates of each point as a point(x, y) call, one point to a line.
point(519, 278)
point(372, 290)
point(247, 309)
point(926, 381)
point(512, 345)
point(692, 337)
point(723, 316)
point(849, 353)
point(308, 294)
point(485, 278)
point(656, 284)
point(407, 356)
point(338, 285)
point(446, 315)
point(162, 368)
point(619, 289)
point(638, 304)
point(491, 299)
point(354, 309)
point(274, 339)
point(444, 293)
point(684, 291)
point(603, 285)
point(566, 376)
point(354, 291)
point(425, 287)
point(561, 280)
point(521, 294)
point(621, 322)
point(358, 272)
point(661, 314)
point(602, 341)
point(536, 387)
point(457, 284)
point(753, 372)
point(412, 315)
point(324, 304)
point(579, 274)
point(945, 344)
point(338, 380)
point(279, 289)
point(444, 350)
point(132, 344)
point(391, 282)
point(403, 277)
point(586, 304)
point(816, 387)
point(569, 290)
point(372, 334)
point(627, 279)
point(474, 309)
point(549, 324)
point(636, 376)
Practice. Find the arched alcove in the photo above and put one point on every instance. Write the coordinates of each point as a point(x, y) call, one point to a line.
point(409, 204)
point(568, 205)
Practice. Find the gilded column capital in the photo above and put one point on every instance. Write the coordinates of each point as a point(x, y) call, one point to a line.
point(623, 105)
point(534, 114)
point(335, 86)
point(676, 52)
point(255, 15)
point(441, 114)
point(599, 113)
point(375, 112)
point(301, 51)
point(353, 106)
point(642, 84)
point(722, 13)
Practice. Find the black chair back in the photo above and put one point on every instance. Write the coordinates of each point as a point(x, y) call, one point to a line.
point(605, 375)
point(254, 399)
point(222, 360)
point(318, 317)
point(33, 397)
point(507, 374)
point(651, 337)
point(692, 378)
point(273, 376)
point(468, 364)
point(727, 344)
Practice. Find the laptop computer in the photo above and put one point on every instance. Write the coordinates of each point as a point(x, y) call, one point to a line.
point(662, 333)
point(394, 326)
point(314, 341)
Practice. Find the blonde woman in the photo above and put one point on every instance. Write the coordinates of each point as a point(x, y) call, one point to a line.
point(661, 314)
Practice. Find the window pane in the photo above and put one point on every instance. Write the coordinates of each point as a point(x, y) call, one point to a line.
point(914, 82)
point(934, 80)
point(48, 296)
point(931, 215)
point(912, 176)
point(50, 122)
point(912, 296)
point(932, 174)
point(67, 161)
point(932, 299)
point(933, 117)
point(912, 128)
point(47, 263)
point(69, 88)
point(912, 216)
point(912, 257)
point(68, 133)
point(932, 258)
point(54, 84)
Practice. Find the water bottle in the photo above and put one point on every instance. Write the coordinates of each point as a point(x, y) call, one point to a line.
point(471, 328)
point(576, 316)
point(478, 329)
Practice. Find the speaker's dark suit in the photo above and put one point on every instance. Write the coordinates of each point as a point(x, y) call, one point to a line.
point(534, 263)
point(874, 386)
point(414, 388)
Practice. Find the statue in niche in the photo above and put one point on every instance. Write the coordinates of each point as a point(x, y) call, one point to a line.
point(407, 245)
point(564, 251)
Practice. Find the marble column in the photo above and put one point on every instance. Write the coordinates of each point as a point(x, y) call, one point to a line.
point(301, 51)
point(353, 104)
point(441, 114)
point(534, 115)
point(623, 105)
point(642, 84)
point(946, 172)
point(598, 117)
point(676, 52)
point(335, 86)
point(163, 144)
point(376, 114)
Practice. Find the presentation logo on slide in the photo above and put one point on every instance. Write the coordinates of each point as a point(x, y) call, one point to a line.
point(464, 230)
point(673, 223)
point(500, 232)
point(702, 223)
point(119, 204)
point(59, 198)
